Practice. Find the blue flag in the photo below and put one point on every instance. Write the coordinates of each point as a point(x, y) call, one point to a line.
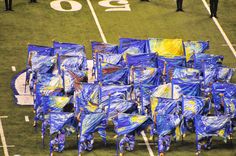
point(70, 49)
point(163, 106)
point(58, 121)
point(112, 74)
point(230, 107)
point(132, 46)
point(193, 105)
point(54, 103)
point(224, 74)
point(167, 124)
point(212, 126)
point(115, 59)
point(142, 60)
point(199, 58)
point(73, 63)
point(182, 72)
point(126, 123)
point(148, 75)
point(193, 47)
point(219, 90)
point(92, 123)
point(190, 87)
point(44, 64)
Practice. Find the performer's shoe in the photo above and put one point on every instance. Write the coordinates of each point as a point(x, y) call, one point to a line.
point(162, 154)
point(121, 154)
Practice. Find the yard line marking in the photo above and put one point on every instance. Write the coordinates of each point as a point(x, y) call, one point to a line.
point(1, 117)
point(9, 146)
point(13, 68)
point(220, 28)
point(97, 22)
point(105, 41)
point(3, 140)
point(26, 118)
point(147, 144)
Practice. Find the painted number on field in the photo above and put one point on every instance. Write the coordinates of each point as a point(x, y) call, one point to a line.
point(122, 5)
point(75, 6)
point(118, 5)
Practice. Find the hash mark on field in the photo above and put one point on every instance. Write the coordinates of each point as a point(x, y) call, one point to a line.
point(26, 118)
point(220, 29)
point(9, 146)
point(3, 139)
point(226, 45)
point(13, 68)
point(1, 117)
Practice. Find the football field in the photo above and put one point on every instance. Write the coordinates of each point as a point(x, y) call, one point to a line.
point(83, 21)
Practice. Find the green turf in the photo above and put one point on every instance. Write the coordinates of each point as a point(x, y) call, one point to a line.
point(39, 24)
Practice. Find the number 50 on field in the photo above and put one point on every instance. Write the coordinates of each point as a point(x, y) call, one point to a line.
point(118, 5)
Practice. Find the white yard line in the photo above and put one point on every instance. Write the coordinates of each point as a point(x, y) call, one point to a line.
point(26, 118)
point(13, 68)
point(5, 150)
point(97, 22)
point(220, 29)
point(147, 144)
point(105, 41)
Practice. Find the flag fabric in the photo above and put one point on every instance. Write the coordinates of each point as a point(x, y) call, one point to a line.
point(199, 58)
point(70, 49)
point(193, 105)
point(54, 103)
point(163, 106)
point(224, 74)
point(99, 47)
point(44, 64)
point(147, 75)
point(167, 47)
point(190, 87)
point(212, 126)
point(126, 123)
point(71, 78)
point(87, 97)
point(189, 73)
point(175, 61)
point(193, 47)
point(165, 91)
point(209, 74)
point(168, 65)
point(167, 124)
point(142, 60)
point(118, 105)
point(230, 107)
point(132, 46)
point(115, 59)
point(117, 91)
point(50, 82)
point(92, 123)
point(144, 92)
point(219, 90)
point(58, 121)
point(113, 74)
point(73, 63)
point(40, 50)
